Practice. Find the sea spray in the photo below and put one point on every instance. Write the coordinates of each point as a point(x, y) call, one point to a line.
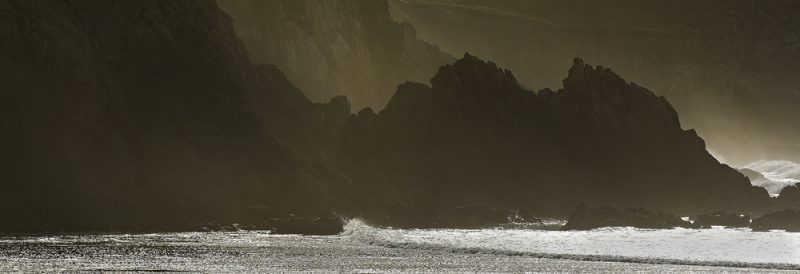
point(770, 250)
point(773, 175)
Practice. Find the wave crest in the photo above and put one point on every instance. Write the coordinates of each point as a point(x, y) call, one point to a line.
point(446, 241)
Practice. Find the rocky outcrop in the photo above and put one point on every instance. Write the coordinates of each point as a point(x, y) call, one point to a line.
point(720, 218)
point(788, 199)
point(727, 66)
point(587, 218)
point(147, 115)
point(477, 137)
point(788, 220)
point(335, 47)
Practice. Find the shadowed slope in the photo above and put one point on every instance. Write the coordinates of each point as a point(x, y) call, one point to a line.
point(126, 115)
point(335, 47)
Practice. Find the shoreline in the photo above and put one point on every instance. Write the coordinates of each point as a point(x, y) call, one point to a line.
point(258, 252)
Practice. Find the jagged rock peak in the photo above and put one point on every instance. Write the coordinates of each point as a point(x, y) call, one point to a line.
point(584, 77)
point(605, 88)
point(471, 74)
point(577, 62)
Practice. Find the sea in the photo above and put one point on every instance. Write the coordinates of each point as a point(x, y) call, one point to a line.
point(362, 248)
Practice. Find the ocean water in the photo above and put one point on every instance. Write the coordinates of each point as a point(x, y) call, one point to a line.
point(776, 174)
point(713, 247)
point(362, 248)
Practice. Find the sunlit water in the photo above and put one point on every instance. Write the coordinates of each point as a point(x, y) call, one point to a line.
point(717, 246)
point(365, 249)
point(776, 174)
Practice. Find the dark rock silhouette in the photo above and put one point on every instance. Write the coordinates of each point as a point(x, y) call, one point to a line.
point(335, 47)
point(789, 198)
point(147, 115)
point(587, 218)
point(720, 218)
point(788, 220)
point(728, 66)
point(477, 136)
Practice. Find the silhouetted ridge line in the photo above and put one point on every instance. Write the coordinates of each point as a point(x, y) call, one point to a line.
point(475, 136)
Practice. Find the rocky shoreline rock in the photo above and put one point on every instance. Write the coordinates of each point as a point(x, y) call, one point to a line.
point(587, 218)
point(788, 220)
point(720, 218)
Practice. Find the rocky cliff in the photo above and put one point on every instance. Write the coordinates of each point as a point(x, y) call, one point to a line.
point(149, 115)
point(141, 115)
point(335, 47)
point(727, 66)
point(475, 136)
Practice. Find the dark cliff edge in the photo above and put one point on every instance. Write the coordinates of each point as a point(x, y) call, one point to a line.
point(728, 67)
point(147, 115)
point(475, 136)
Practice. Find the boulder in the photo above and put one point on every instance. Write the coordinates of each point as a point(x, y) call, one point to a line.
point(720, 218)
point(788, 220)
point(586, 218)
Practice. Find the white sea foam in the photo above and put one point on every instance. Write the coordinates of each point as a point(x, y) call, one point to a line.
point(362, 248)
point(709, 247)
point(776, 174)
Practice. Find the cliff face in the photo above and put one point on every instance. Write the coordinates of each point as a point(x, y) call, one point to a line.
point(333, 47)
point(477, 137)
point(148, 115)
point(144, 115)
point(727, 66)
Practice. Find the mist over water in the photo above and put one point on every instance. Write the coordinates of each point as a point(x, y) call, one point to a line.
point(775, 175)
point(785, 171)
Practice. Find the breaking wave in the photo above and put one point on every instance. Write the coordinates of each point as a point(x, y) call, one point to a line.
point(714, 247)
point(773, 175)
